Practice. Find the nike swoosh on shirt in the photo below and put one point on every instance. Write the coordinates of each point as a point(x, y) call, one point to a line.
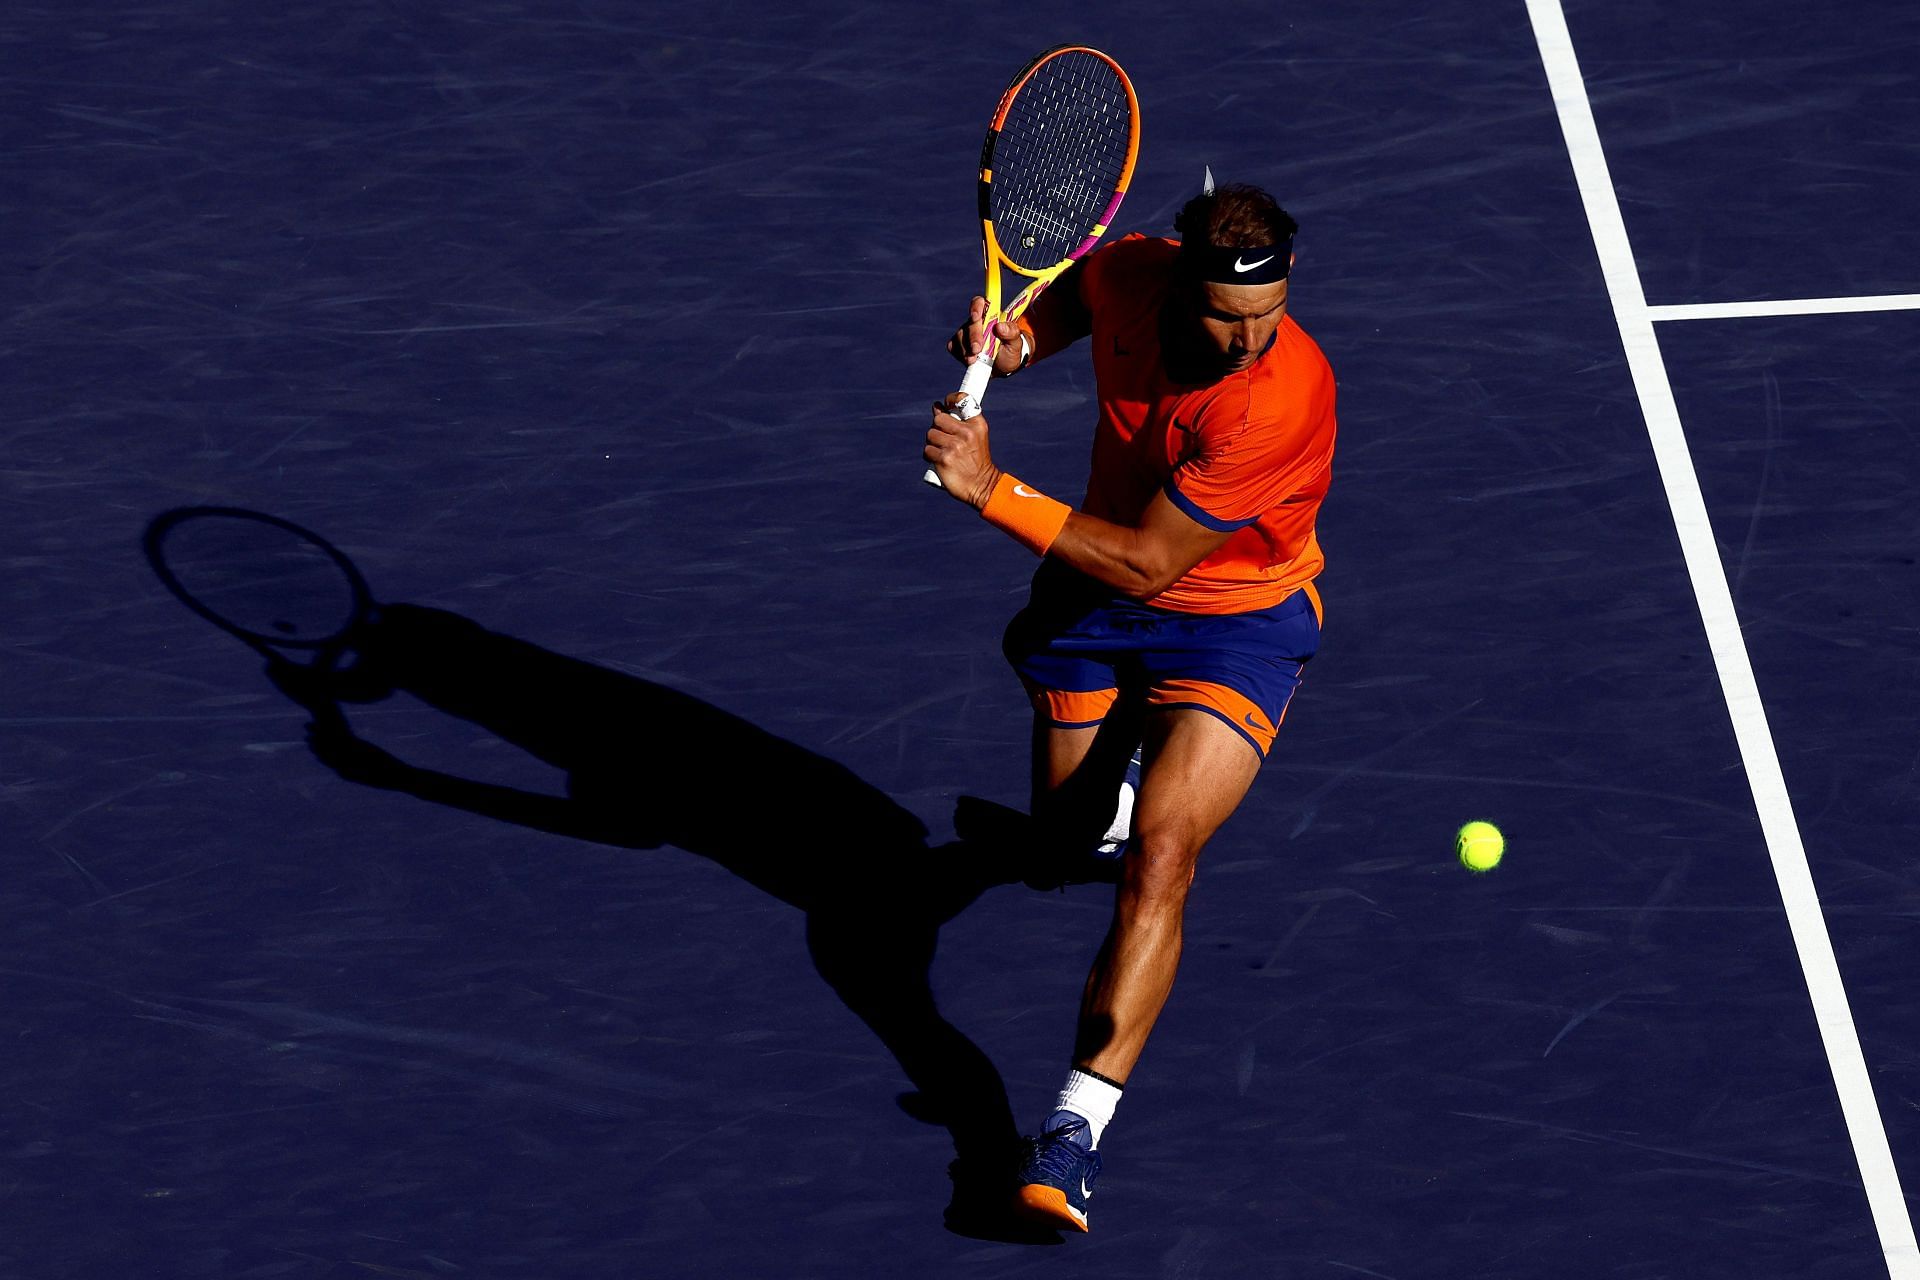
point(1238, 265)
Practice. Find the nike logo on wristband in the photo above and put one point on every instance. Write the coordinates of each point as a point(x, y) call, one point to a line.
point(1238, 265)
point(1021, 491)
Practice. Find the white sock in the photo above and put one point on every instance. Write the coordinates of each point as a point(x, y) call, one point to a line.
point(1090, 1098)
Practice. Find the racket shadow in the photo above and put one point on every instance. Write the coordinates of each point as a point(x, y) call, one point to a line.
point(648, 766)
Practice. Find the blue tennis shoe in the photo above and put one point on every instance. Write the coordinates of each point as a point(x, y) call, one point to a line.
point(1057, 1173)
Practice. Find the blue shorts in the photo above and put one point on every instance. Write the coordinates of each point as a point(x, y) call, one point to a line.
point(1076, 646)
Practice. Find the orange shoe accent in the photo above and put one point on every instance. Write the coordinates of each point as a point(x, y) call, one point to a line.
point(1048, 1205)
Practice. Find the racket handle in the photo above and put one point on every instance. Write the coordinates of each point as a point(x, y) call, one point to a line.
point(973, 389)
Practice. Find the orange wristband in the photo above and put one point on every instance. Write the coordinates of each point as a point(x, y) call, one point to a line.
point(1033, 518)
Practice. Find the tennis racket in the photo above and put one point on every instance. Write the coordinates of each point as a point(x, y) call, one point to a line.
point(1053, 170)
point(265, 581)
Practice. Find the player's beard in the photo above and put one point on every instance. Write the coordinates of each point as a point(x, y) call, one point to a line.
point(1188, 355)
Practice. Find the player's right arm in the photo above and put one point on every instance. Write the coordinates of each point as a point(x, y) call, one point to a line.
point(1140, 560)
point(1056, 319)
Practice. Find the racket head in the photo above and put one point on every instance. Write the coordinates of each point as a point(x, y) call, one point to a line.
point(264, 580)
point(1056, 162)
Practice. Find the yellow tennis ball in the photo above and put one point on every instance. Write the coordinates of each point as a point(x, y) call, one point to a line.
point(1480, 845)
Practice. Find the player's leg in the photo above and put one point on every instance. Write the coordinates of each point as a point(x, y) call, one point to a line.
point(1078, 771)
point(1217, 707)
point(1084, 730)
point(1218, 690)
point(1197, 772)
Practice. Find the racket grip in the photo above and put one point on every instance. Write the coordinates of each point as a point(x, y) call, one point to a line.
point(973, 389)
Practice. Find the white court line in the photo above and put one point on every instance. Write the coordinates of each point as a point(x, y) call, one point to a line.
point(1851, 1080)
point(1785, 307)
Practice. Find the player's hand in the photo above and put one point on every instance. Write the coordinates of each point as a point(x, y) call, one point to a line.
point(957, 452)
point(306, 685)
point(972, 336)
point(354, 759)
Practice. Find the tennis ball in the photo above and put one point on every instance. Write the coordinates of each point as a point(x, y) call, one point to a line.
point(1480, 845)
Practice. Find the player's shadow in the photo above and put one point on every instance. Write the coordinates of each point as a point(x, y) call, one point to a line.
point(647, 766)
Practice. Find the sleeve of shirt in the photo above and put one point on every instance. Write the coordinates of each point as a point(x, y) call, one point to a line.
point(1246, 465)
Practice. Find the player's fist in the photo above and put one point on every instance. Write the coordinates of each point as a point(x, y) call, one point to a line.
point(957, 451)
point(971, 338)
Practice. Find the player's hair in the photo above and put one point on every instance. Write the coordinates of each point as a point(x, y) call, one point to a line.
point(1235, 216)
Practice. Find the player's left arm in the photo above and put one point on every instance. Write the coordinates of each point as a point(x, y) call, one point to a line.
point(1141, 560)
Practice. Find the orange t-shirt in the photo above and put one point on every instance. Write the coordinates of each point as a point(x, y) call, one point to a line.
point(1251, 453)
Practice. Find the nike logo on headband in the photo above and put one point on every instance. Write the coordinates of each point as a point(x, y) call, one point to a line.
point(1239, 265)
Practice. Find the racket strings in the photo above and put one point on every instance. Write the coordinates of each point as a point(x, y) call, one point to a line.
point(1062, 152)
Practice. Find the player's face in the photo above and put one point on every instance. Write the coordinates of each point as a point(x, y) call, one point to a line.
point(1238, 320)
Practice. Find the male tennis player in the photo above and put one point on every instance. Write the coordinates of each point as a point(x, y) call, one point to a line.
point(1176, 605)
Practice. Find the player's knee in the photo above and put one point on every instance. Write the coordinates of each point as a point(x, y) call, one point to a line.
point(1160, 866)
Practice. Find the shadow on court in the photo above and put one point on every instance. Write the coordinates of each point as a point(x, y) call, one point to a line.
point(648, 766)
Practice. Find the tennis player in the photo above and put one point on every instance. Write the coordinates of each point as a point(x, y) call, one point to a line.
point(1174, 608)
